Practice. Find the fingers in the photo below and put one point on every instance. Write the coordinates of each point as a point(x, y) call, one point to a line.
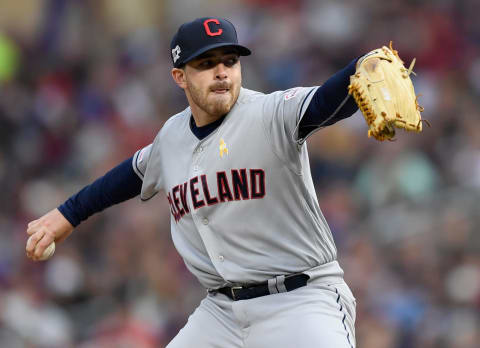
point(31, 227)
point(51, 227)
point(33, 222)
point(32, 243)
point(42, 244)
point(39, 240)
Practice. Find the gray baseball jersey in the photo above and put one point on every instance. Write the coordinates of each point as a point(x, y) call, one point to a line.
point(243, 205)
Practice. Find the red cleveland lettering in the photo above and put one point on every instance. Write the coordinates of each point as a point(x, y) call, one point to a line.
point(176, 201)
point(183, 196)
point(242, 185)
point(175, 214)
point(257, 183)
point(206, 192)
point(194, 193)
point(224, 192)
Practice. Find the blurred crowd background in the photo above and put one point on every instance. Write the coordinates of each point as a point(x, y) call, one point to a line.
point(84, 84)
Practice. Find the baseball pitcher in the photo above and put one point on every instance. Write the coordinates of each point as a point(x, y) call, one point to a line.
point(244, 214)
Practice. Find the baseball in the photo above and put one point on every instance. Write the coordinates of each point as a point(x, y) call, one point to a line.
point(48, 253)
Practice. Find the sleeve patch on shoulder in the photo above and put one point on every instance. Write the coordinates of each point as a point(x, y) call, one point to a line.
point(291, 94)
point(140, 156)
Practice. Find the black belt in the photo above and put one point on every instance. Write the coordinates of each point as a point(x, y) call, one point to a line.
point(275, 285)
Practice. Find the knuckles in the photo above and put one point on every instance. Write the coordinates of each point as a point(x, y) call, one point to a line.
point(41, 235)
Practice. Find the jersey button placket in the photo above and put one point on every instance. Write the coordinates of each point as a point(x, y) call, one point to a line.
point(196, 160)
point(202, 222)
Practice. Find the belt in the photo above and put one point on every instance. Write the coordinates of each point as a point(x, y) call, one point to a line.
point(272, 286)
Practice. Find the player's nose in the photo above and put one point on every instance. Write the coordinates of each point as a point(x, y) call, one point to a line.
point(221, 72)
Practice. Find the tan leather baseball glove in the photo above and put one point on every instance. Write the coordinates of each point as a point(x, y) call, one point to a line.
point(384, 93)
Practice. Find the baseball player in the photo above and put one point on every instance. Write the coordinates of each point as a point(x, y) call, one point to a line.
point(244, 214)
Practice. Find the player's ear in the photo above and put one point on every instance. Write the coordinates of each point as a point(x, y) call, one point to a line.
point(179, 77)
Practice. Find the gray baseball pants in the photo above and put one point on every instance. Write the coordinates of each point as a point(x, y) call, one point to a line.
point(320, 314)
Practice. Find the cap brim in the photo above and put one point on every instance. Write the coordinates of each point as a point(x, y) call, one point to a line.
point(242, 50)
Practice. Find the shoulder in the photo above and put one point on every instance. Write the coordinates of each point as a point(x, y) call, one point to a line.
point(175, 123)
point(292, 94)
point(178, 120)
point(250, 99)
point(249, 96)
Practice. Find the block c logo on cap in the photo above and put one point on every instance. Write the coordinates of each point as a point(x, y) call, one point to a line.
point(176, 53)
point(207, 28)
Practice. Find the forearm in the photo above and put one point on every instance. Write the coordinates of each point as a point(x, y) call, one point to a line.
point(118, 185)
point(331, 102)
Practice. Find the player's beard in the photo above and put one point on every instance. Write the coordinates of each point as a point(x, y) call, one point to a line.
point(213, 104)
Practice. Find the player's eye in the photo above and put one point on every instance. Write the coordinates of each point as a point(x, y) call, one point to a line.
point(229, 62)
point(206, 64)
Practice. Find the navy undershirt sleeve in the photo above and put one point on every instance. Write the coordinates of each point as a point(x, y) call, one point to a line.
point(327, 101)
point(118, 185)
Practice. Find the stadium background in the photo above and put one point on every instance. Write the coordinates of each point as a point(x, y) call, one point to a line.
point(84, 84)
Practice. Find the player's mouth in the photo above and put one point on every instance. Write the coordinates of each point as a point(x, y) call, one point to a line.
point(221, 91)
point(220, 88)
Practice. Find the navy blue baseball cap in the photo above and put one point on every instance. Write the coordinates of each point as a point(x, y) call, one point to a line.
point(201, 35)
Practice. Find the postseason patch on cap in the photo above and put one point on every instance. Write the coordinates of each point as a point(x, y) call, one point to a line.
point(176, 53)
